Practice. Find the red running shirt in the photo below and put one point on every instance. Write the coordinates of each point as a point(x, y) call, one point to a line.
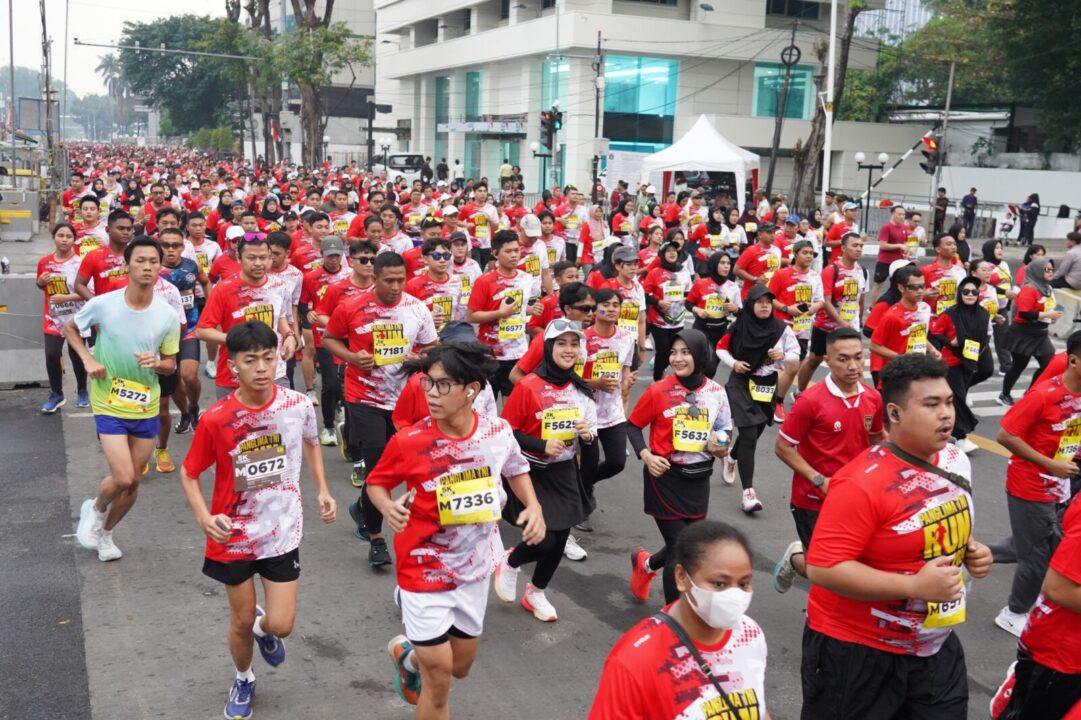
point(1053, 633)
point(106, 269)
point(902, 330)
point(1048, 418)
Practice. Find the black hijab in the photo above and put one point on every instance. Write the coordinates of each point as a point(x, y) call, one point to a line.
point(712, 264)
point(752, 337)
point(699, 348)
point(670, 266)
point(552, 373)
point(606, 267)
point(970, 321)
point(713, 227)
point(988, 250)
point(266, 213)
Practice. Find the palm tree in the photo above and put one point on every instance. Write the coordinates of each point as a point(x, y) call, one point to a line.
point(110, 71)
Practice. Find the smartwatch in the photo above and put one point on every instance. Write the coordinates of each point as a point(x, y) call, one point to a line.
point(817, 480)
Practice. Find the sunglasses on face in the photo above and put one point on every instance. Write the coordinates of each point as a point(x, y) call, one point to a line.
point(172, 246)
point(585, 308)
point(970, 292)
point(914, 288)
point(363, 259)
point(440, 256)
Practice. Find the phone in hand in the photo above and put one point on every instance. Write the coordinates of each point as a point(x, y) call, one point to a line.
point(409, 497)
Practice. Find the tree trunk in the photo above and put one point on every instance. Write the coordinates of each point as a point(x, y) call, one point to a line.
point(311, 125)
point(807, 156)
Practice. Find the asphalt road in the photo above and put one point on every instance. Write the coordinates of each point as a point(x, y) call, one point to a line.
point(145, 637)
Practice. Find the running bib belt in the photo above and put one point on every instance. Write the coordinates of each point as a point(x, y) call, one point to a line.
point(468, 497)
point(389, 343)
point(761, 393)
point(1070, 441)
point(129, 395)
point(261, 463)
point(262, 313)
point(690, 434)
point(917, 338)
point(558, 423)
point(971, 350)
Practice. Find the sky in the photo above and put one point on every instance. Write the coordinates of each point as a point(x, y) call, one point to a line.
point(97, 21)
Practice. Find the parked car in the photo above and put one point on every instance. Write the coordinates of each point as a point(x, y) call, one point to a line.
point(407, 165)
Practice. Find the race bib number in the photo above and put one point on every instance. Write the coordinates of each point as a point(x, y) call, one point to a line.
point(690, 434)
point(606, 365)
point(414, 218)
point(947, 294)
point(849, 311)
point(389, 343)
point(187, 299)
point(467, 286)
point(761, 393)
point(532, 265)
point(716, 241)
point(339, 227)
point(917, 338)
point(579, 367)
point(558, 423)
point(714, 306)
point(1070, 441)
point(802, 324)
point(625, 227)
point(850, 289)
point(87, 244)
point(971, 350)
point(511, 328)
point(468, 497)
point(263, 466)
point(673, 291)
point(628, 316)
point(128, 395)
point(262, 313)
point(601, 243)
point(947, 613)
point(571, 222)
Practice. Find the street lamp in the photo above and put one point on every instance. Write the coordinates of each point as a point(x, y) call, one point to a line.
point(860, 156)
point(384, 145)
point(535, 148)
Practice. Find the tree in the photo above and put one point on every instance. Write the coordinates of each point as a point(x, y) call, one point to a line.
point(310, 57)
point(95, 114)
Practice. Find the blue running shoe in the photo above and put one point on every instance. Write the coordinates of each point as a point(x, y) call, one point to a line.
point(54, 403)
point(82, 399)
point(238, 706)
point(361, 530)
point(405, 682)
point(271, 647)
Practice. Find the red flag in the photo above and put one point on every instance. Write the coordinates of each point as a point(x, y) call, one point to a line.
point(274, 131)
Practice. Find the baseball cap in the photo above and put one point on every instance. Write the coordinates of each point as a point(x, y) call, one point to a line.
point(234, 232)
point(457, 330)
point(562, 326)
point(530, 225)
point(430, 221)
point(333, 245)
point(458, 237)
point(792, 220)
point(450, 210)
point(851, 206)
point(651, 190)
point(898, 264)
point(239, 203)
point(624, 254)
point(767, 227)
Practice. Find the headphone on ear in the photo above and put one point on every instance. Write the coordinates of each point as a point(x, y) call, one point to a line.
point(469, 393)
point(895, 416)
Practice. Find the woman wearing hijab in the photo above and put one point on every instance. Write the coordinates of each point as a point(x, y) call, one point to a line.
point(750, 221)
point(962, 334)
point(269, 219)
point(604, 270)
point(737, 236)
point(1002, 282)
point(708, 237)
point(594, 236)
point(964, 250)
point(1027, 337)
point(756, 347)
point(552, 414)
point(714, 299)
point(653, 217)
point(689, 425)
point(1032, 252)
point(132, 197)
point(666, 287)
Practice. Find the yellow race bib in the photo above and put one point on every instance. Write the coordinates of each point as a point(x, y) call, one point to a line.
point(559, 423)
point(129, 395)
point(1070, 441)
point(917, 338)
point(690, 434)
point(628, 316)
point(714, 305)
point(761, 393)
point(389, 344)
point(971, 350)
point(468, 497)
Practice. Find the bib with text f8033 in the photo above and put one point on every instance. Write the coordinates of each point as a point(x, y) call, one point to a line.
point(128, 395)
point(761, 392)
point(690, 434)
point(467, 497)
point(559, 423)
point(389, 344)
point(261, 463)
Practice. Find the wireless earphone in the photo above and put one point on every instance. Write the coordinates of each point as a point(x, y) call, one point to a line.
point(469, 393)
point(895, 416)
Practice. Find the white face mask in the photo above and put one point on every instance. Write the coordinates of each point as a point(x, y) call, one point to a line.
point(722, 609)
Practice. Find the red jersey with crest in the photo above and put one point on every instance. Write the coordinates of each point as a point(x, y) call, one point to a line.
point(651, 675)
point(236, 301)
point(1048, 418)
point(893, 517)
point(314, 288)
point(452, 537)
point(104, 271)
point(257, 455)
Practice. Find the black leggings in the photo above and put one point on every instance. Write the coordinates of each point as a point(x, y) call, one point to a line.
point(662, 347)
point(54, 348)
point(614, 441)
point(369, 439)
point(670, 530)
point(547, 554)
point(743, 452)
point(1020, 362)
point(331, 393)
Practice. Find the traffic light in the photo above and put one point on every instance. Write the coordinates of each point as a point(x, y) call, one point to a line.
point(932, 153)
point(547, 129)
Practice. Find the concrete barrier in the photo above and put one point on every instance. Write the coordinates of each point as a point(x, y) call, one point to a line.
point(1069, 301)
point(22, 359)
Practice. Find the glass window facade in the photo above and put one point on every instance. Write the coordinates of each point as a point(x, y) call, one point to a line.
point(640, 102)
point(768, 81)
point(473, 142)
point(442, 115)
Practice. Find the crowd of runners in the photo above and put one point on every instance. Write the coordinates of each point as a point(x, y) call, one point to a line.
point(473, 357)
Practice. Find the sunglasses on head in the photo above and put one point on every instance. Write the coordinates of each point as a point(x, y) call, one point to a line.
point(563, 325)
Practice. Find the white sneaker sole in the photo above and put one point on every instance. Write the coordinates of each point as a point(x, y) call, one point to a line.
point(1009, 627)
point(84, 532)
point(497, 585)
point(110, 557)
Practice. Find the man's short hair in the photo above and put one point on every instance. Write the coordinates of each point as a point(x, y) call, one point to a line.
point(387, 260)
point(903, 370)
point(501, 238)
point(142, 241)
point(249, 336)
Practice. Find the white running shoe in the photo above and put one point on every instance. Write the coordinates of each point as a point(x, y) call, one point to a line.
point(967, 446)
point(506, 580)
point(1010, 621)
point(107, 549)
point(90, 525)
point(211, 369)
point(535, 602)
point(750, 503)
point(573, 551)
point(728, 471)
point(327, 437)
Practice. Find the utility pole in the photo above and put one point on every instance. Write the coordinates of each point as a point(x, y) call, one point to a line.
point(946, 123)
point(789, 57)
point(11, 69)
point(50, 148)
point(827, 149)
point(598, 87)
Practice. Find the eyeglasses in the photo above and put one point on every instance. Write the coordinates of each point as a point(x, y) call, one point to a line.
point(363, 259)
point(442, 385)
point(585, 308)
point(970, 292)
point(440, 256)
point(172, 246)
point(914, 288)
point(692, 405)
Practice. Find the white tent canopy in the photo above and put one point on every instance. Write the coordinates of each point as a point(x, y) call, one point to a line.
point(703, 149)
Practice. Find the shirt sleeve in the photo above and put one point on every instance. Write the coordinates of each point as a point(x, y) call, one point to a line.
point(1024, 414)
point(426, 334)
point(338, 324)
point(1067, 558)
point(211, 316)
point(848, 520)
point(643, 412)
point(479, 296)
point(87, 316)
point(884, 330)
point(514, 411)
point(309, 431)
point(619, 695)
point(170, 344)
point(201, 454)
point(798, 421)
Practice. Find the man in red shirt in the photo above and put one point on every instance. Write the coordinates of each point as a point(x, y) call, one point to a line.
point(759, 261)
point(890, 562)
point(1042, 431)
point(839, 229)
point(90, 234)
point(73, 195)
point(830, 423)
point(517, 208)
point(906, 326)
point(892, 245)
point(943, 275)
point(105, 267)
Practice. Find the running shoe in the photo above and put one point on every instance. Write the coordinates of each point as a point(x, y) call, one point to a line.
point(91, 522)
point(107, 549)
point(585, 526)
point(405, 682)
point(314, 397)
point(162, 462)
point(356, 477)
point(183, 425)
point(750, 502)
point(967, 446)
point(573, 551)
point(535, 602)
point(641, 575)
point(1004, 400)
point(361, 530)
point(778, 413)
point(326, 437)
point(82, 399)
point(54, 403)
point(343, 446)
point(783, 572)
point(193, 414)
point(238, 706)
point(146, 468)
point(271, 647)
point(728, 470)
point(211, 369)
point(378, 554)
point(1002, 371)
point(1010, 621)
point(506, 580)
point(1001, 699)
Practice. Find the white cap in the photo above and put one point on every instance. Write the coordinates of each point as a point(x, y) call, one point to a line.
point(897, 265)
point(195, 186)
point(234, 231)
point(530, 225)
point(562, 326)
point(450, 210)
point(651, 190)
